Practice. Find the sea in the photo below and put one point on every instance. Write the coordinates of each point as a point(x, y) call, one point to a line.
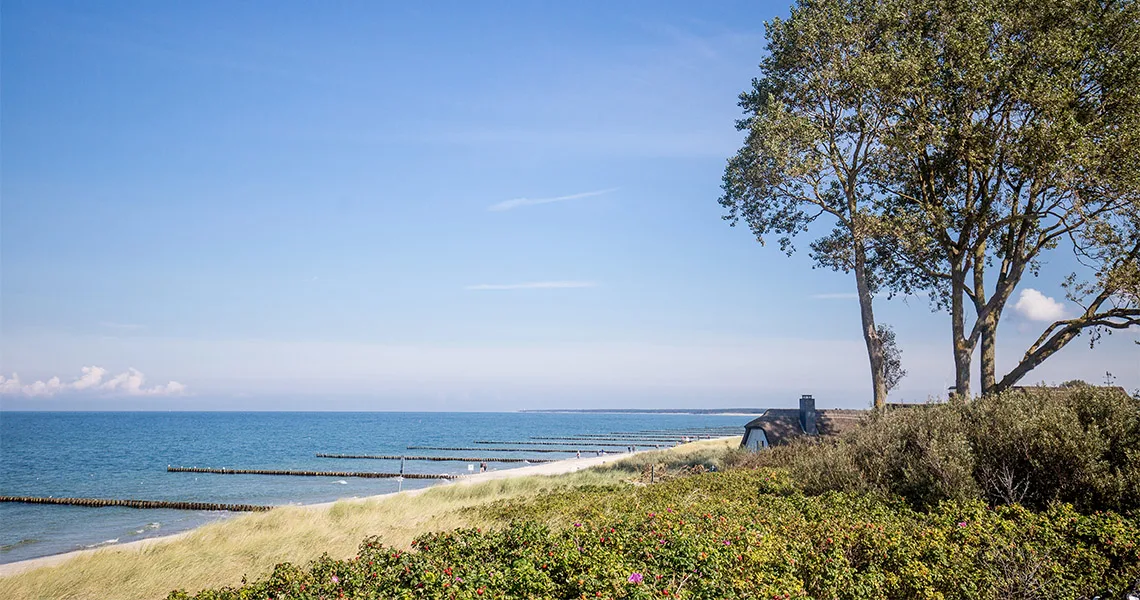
point(125, 455)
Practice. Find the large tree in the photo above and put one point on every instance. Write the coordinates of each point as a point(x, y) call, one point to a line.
point(1019, 134)
point(953, 146)
point(815, 121)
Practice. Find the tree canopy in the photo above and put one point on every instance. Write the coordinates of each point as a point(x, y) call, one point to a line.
point(952, 147)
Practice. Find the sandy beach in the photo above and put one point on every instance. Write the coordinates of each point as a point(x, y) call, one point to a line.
point(569, 465)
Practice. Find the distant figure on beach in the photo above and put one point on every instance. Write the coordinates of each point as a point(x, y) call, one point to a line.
point(599, 452)
point(483, 467)
point(579, 454)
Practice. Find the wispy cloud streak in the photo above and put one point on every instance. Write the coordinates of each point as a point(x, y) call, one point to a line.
point(533, 285)
point(117, 325)
point(517, 202)
point(835, 296)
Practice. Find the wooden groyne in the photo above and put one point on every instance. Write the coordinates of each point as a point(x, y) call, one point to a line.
point(624, 442)
point(562, 443)
point(681, 432)
point(98, 502)
point(498, 459)
point(699, 434)
point(367, 475)
point(484, 449)
point(676, 433)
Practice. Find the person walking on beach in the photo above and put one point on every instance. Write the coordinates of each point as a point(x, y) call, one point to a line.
point(483, 467)
point(579, 454)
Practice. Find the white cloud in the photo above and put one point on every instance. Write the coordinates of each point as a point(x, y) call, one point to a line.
point(533, 285)
point(1035, 306)
point(517, 202)
point(835, 296)
point(129, 383)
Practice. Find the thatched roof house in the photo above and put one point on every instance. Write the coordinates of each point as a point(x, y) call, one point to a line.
point(780, 425)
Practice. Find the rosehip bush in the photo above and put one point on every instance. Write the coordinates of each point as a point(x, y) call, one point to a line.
point(734, 534)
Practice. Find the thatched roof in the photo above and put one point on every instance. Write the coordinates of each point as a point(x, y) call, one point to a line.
point(781, 425)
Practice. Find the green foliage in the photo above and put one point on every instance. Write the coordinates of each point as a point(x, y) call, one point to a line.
point(1035, 447)
point(892, 356)
point(736, 534)
point(1030, 494)
point(941, 139)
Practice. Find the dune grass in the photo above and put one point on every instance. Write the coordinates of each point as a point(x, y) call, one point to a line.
point(250, 545)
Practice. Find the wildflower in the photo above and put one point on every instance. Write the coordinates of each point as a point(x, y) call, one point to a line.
point(635, 578)
point(961, 523)
point(577, 524)
point(335, 579)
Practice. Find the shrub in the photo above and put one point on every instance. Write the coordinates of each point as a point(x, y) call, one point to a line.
point(725, 535)
point(1034, 446)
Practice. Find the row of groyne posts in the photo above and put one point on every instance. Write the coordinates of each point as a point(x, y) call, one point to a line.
point(582, 444)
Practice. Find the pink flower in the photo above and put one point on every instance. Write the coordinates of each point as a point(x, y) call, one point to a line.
point(335, 579)
point(577, 524)
point(635, 578)
point(961, 523)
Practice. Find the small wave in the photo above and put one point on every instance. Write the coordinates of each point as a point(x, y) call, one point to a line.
point(146, 528)
point(341, 482)
point(13, 546)
point(103, 543)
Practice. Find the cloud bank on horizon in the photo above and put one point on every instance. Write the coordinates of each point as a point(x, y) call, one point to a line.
point(91, 380)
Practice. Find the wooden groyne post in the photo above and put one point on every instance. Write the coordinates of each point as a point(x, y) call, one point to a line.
point(401, 458)
point(366, 474)
point(563, 443)
point(484, 449)
point(98, 502)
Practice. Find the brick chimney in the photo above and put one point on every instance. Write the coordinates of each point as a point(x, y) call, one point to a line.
point(807, 415)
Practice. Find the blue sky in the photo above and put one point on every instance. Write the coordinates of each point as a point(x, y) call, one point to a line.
point(389, 205)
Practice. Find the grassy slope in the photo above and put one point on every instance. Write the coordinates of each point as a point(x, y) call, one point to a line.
point(250, 545)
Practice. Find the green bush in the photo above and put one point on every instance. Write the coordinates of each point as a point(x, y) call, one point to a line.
point(1033, 447)
point(736, 534)
point(1029, 494)
point(1040, 446)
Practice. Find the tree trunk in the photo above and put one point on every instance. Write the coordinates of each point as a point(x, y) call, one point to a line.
point(988, 325)
point(870, 333)
point(962, 350)
point(988, 341)
point(1036, 356)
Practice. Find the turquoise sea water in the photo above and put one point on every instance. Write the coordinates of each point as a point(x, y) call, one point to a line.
point(125, 455)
